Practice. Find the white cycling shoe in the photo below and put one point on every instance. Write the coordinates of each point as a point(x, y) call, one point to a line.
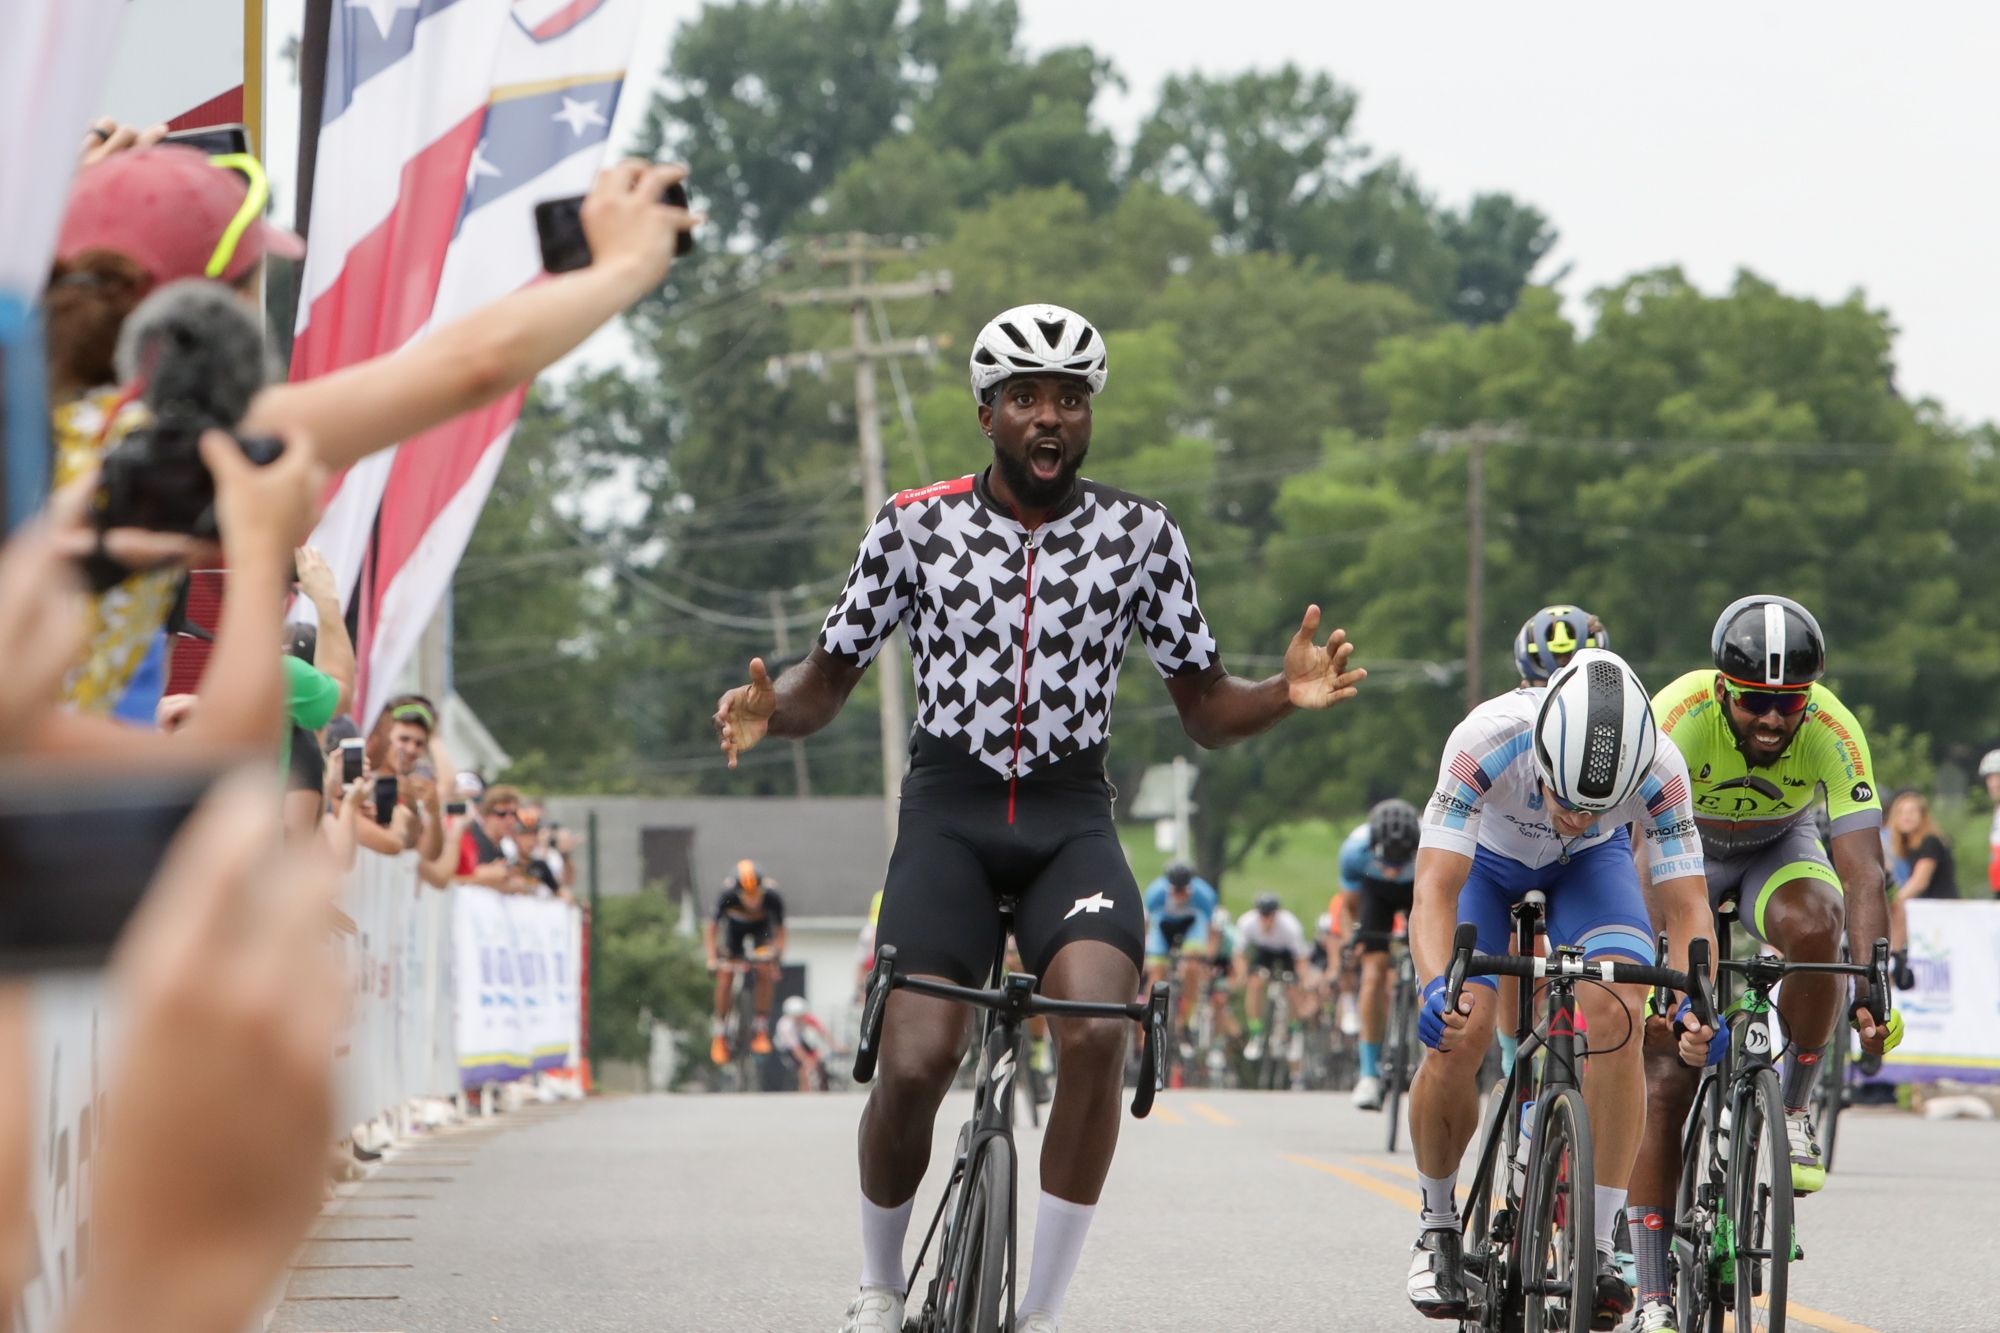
point(1368, 1093)
point(1038, 1322)
point(874, 1310)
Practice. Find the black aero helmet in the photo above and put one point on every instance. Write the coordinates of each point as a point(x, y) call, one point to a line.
point(1769, 641)
point(1393, 831)
point(1549, 637)
point(1179, 874)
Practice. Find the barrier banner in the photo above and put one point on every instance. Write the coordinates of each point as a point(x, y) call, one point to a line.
point(1951, 1021)
point(519, 1009)
point(70, 1052)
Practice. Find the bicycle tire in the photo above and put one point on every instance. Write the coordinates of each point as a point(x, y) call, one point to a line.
point(1760, 1203)
point(1487, 1188)
point(1558, 1248)
point(976, 1288)
point(1830, 1094)
point(1396, 1055)
point(1701, 1196)
point(745, 1025)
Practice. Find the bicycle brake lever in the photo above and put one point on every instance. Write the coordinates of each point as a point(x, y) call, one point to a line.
point(1153, 1053)
point(880, 983)
point(1701, 1000)
point(1463, 942)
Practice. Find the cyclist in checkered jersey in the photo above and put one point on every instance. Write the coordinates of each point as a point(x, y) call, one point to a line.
point(1018, 588)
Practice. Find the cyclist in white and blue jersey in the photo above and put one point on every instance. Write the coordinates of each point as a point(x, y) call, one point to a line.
point(1178, 905)
point(1535, 791)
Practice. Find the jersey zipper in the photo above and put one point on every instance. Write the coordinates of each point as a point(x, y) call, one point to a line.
point(1021, 692)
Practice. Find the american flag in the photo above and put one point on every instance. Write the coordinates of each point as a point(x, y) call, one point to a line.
point(444, 123)
point(1467, 770)
point(1672, 794)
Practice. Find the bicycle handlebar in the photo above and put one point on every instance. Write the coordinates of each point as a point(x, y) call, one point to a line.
point(1693, 982)
point(1016, 997)
point(1878, 998)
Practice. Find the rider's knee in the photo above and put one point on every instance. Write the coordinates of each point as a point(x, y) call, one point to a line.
point(1092, 1043)
point(1374, 969)
point(914, 1071)
point(1810, 924)
point(1614, 1016)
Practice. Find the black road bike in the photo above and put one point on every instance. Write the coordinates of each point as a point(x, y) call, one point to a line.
point(1734, 1235)
point(1529, 1237)
point(972, 1289)
point(1399, 1039)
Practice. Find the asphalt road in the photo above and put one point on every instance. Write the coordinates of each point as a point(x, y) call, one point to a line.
point(1225, 1211)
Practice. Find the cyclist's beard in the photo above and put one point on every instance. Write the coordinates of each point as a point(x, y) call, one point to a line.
point(1754, 755)
point(1028, 489)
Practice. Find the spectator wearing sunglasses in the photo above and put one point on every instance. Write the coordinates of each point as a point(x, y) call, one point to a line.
point(489, 851)
point(139, 219)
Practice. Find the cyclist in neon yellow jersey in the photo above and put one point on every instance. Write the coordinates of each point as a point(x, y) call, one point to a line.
point(1762, 738)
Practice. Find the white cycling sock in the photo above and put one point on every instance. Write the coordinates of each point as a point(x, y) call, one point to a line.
point(882, 1233)
point(1060, 1227)
point(1610, 1207)
point(1440, 1200)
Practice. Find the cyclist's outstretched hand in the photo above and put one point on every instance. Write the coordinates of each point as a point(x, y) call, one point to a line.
point(1316, 675)
point(743, 715)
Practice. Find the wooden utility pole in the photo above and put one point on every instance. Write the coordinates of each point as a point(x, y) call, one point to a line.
point(857, 253)
point(781, 628)
point(1475, 563)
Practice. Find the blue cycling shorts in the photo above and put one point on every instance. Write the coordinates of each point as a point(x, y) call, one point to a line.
point(1594, 902)
point(1194, 937)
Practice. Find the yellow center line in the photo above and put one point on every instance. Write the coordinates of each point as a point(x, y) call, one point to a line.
point(1210, 1114)
point(1381, 1189)
point(1168, 1114)
point(1398, 1169)
point(1832, 1323)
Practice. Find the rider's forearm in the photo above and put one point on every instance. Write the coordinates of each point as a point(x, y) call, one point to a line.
point(1230, 708)
point(810, 695)
point(1684, 912)
point(1434, 908)
point(1857, 859)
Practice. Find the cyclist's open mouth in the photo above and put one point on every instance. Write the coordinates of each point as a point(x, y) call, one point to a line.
point(1767, 738)
point(1045, 459)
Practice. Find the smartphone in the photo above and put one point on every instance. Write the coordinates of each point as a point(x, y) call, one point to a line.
point(454, 807)
point(78, 850)
point(352, 759)
point(214, 140)
point(559, 224)
point(385, 799)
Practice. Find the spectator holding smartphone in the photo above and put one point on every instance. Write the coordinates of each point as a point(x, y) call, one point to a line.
point(489, 854)
point(140, 219)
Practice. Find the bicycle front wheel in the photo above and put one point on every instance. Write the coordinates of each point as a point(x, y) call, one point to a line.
point(1699, 1253)
point(976, 1285)
point(1398, 1056)
point(1760, 1203)
point(1558, 1254)
point(1830, 1093)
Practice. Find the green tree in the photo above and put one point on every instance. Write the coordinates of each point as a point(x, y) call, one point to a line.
point(645, 969)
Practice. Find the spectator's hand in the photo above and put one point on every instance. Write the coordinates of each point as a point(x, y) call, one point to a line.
point(422, 792)
point(267, 508)
point(173, 711)
point(565, 841)
point(41, 622)
point(107, 138)
point(17, 1125)
point(625, 222)
point(315, 576)
point(235, 1002)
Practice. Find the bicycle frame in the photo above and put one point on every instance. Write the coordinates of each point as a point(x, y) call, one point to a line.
point(1555, 1041)
point(1007, 1008)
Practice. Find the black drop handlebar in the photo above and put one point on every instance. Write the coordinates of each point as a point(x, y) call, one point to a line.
point(1767, 971)
point(1016, 998)
point(1693, 983)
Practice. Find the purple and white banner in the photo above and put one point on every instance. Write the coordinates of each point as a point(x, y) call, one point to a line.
point(519, 1006)
point(1951, 1021)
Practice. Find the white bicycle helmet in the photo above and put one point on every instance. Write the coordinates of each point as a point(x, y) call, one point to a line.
point(1037, 340)
point(1990, 764)
point(1594, 732)
point(794, 1006)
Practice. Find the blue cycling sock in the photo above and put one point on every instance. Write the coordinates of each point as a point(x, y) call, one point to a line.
point(1507, 1045)
point(1371, 1056)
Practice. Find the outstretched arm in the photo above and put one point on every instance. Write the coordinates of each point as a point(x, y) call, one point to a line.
point(798, 703)
point(1219, 709)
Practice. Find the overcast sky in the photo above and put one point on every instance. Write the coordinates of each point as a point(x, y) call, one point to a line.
point(1827, 147)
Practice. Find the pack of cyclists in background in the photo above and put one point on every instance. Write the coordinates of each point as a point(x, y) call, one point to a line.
point(1179, 907)
point(747, 932)
point(1275, 951)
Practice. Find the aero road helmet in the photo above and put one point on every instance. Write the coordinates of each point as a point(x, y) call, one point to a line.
point(1037, 340)
point(1551, 635)
point(1594, 732)
point(1769, 641)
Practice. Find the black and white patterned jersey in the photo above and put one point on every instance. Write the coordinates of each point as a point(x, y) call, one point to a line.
point(1017, 636)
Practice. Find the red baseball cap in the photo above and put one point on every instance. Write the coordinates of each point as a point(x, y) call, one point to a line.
point(166, 208)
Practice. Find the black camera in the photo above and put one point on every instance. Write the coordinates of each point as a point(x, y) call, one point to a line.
point(154, 478)
point(195, 352)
